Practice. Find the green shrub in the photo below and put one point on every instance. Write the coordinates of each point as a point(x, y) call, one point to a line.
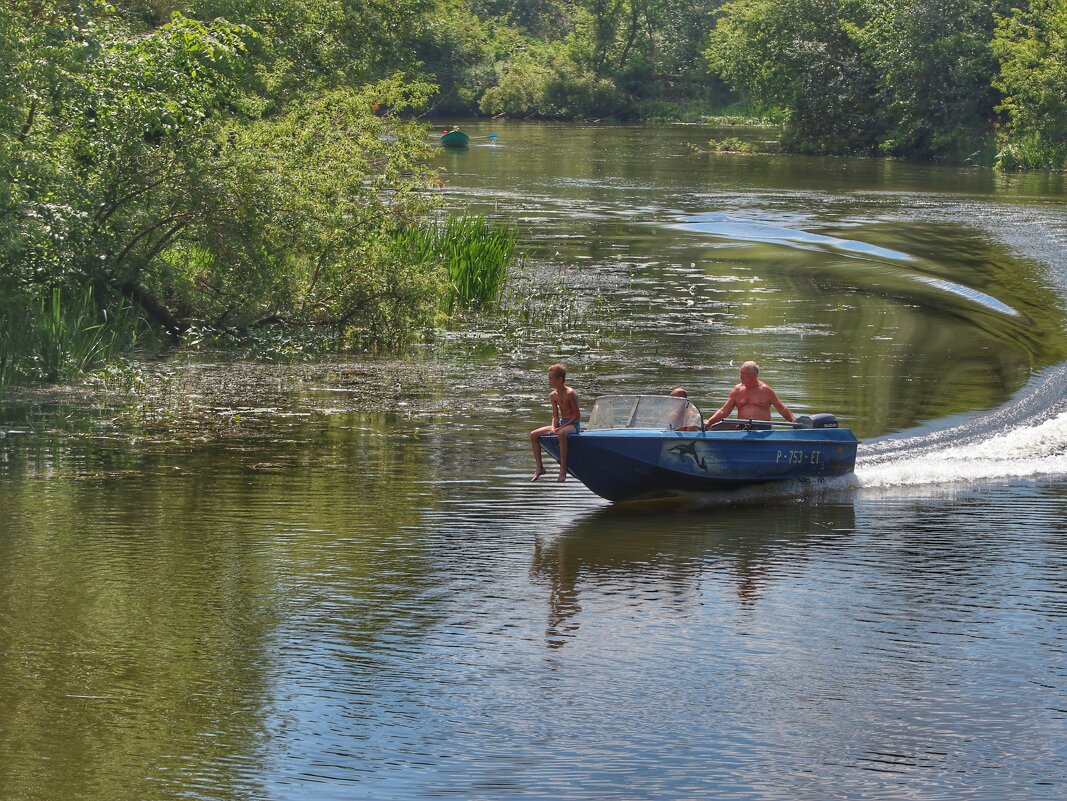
point(1029, 45)
point(518, 92)
point(563, 90)
point(1031, 152)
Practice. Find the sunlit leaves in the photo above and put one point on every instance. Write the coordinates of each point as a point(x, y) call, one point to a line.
point(212, 168)
point(801, 55)
point(934, 67)
point(305, 206)
point(899, 77)
point(1031, 44)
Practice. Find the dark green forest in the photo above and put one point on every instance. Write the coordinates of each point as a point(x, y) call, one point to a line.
point(237, 165)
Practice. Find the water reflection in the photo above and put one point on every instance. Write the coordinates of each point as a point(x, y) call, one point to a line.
point(746, 229)
point(130, 642)
point(166, 604)
point(633, 546)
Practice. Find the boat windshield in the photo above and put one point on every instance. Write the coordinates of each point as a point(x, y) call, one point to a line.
point(656, 412)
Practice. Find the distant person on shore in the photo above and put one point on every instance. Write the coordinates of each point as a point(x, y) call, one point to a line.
point(565, 420)
point(752, 398)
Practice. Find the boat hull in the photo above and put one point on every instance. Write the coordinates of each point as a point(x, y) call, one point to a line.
point(625, 465)
point(455, 139)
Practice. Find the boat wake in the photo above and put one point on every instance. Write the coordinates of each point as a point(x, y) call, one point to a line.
point(875, 268)
point(1021, 453)
point(739, 228)
point(1026, 438)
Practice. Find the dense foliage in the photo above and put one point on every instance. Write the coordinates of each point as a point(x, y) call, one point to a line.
point(228, 173)
point(953, 80)
point(623, 59)
point(1031, 44)
point(917, 78)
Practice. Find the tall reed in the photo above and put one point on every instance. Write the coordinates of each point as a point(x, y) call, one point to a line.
point(55, 337)
point(475, 253)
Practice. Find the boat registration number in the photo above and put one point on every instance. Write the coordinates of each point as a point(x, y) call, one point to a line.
point(798, 457)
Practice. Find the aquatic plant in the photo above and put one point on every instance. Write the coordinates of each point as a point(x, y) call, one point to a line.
point(55, 337)
point(474, 252)
point(732, 144)
point(478, 257)
point(1030, 152)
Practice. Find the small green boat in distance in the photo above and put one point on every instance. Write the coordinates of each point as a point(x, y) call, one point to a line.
point(454, 138)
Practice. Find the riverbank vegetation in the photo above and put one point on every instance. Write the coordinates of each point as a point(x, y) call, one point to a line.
point(211, 173)
point(59, 338)
point(959, 81)
point(963, 81)
point(475, 253)
point(207, 165)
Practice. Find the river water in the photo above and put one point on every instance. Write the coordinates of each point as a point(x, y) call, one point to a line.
point(336, 581)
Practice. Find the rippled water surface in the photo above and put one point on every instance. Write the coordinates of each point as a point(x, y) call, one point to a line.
point(336, 581)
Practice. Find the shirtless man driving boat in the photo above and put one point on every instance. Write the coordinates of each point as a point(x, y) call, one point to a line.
point(752, 398)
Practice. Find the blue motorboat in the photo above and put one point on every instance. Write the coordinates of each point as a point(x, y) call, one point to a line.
point(647, 446)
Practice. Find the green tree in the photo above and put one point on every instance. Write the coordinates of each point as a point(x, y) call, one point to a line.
point(560, 89)
point(305, 209)
point(804, 56)
point(934, 66)
point(313, 45)
point(117, 134)
point(460, 53)
point(605, 57)
point(184, 167)
point(1031, 45)
point(542, 19)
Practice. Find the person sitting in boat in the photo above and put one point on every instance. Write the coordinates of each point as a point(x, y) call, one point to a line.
point(752, 398)
point(565, 420)
point(677, 421)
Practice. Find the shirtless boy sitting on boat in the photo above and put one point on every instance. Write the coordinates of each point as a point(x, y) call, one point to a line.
point(752, 398)
point(565, 420)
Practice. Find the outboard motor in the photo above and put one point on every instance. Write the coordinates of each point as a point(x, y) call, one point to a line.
point(823, 421)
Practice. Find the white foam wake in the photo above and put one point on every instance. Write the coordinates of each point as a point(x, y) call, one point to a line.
point(1024, 452)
